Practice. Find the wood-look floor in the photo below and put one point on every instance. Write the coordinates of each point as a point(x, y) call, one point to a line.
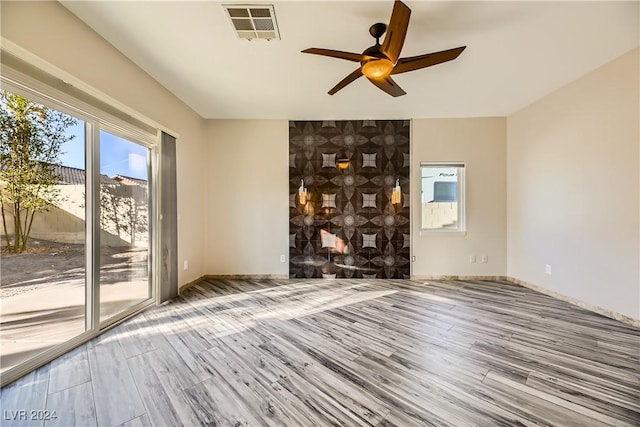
point(346, 352)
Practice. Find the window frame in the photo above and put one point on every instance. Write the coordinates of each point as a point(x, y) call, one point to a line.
point(461, 228)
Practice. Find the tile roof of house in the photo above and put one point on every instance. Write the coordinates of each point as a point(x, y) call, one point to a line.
point(69, 175)
point(74, 176)
point(128, 180)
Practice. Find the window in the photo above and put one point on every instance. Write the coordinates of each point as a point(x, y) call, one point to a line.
point(442, 196)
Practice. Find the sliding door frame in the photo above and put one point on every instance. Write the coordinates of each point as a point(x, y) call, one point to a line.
point(153, 196)
point(94, 120)
point(92, 223)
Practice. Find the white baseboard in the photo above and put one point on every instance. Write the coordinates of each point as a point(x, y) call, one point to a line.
point(457, 277)
point(246, 276)
point(587, 306)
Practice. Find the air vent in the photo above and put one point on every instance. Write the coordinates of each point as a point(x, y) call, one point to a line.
point(253, 22)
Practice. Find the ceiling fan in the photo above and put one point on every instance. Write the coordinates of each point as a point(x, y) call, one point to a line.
point(379, 62)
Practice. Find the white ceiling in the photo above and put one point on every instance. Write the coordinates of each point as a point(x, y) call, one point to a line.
point(516, 53)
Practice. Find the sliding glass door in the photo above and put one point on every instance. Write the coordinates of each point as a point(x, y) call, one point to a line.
point(77, 226)
point(124, 224)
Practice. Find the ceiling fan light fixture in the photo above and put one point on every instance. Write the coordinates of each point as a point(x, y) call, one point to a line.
point(378, 68)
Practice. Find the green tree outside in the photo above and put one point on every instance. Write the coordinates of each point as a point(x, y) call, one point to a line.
point(31, 139)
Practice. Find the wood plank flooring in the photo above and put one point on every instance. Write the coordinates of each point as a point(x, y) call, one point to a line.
point(345, 352)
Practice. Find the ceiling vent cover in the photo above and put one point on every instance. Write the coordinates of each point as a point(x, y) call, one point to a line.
point(253, 21)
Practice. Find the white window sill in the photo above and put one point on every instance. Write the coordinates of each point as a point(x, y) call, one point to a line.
point(443, 232)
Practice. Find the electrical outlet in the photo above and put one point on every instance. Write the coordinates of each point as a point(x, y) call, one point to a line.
point(547, 269)
point(472, 259)
point(282, 258)
point(185, 265)
point(485, 258)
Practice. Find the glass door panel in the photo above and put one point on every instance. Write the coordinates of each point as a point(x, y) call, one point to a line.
point(124, 224)
point(42, 194)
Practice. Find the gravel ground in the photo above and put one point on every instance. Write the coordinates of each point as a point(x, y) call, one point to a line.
point(47, 264)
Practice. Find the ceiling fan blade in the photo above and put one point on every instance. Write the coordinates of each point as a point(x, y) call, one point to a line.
point(355, 57)
point(396, 31)
point(388, 85)
point(350, 78)
point(422, 61)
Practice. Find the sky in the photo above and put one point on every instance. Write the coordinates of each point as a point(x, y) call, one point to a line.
point(117, 155)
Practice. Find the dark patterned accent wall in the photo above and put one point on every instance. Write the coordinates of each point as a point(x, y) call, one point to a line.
point(348, 227)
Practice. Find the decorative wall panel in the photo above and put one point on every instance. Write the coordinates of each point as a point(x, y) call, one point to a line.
point(347, 222)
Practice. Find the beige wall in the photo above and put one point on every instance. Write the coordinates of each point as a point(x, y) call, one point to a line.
point(52, 33)
point(246, 191)
point(573, 189)
point(64, 223)
point(481, 144)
